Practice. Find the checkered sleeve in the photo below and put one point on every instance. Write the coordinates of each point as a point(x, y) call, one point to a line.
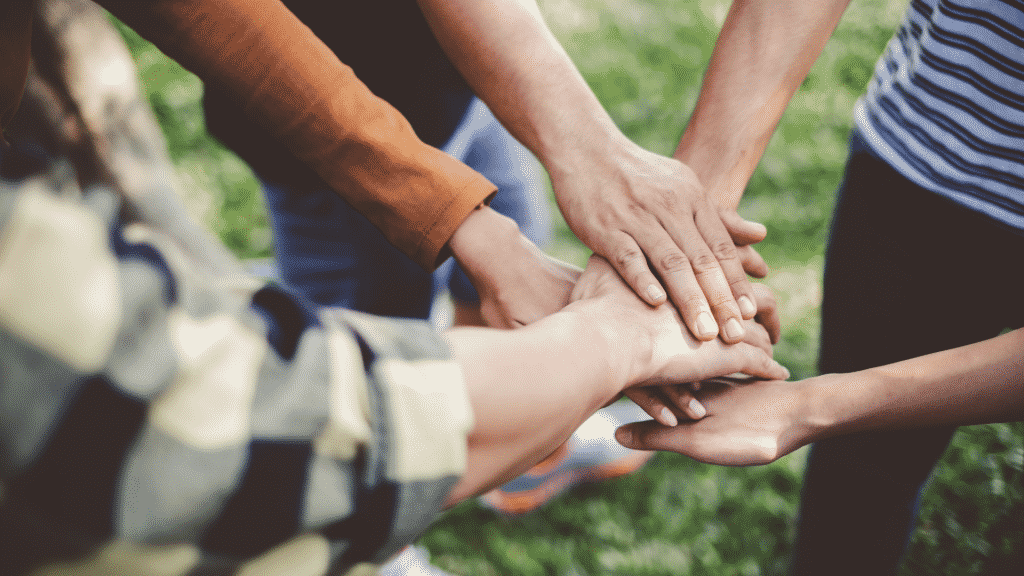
point(155, 419)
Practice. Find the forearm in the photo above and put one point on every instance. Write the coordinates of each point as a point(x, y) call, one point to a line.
point(530, 388)
point(293, 84)
point(763, 53)
point(514, 63)
point(973, 384)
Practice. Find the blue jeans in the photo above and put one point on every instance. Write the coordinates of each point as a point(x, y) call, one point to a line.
point(335, 257)
point(907, 273)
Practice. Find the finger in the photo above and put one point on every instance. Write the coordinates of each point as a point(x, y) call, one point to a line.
point(675, 270)
point(744, 358)
point(724, 250)
point(650, 436)
point(683, 399)
point(768, 312)
point(629, 261)
point(753, 263)
point(743, 232)
point(651, 402)
point(757, 335)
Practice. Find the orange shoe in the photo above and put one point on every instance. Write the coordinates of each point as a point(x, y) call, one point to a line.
point(590, 455)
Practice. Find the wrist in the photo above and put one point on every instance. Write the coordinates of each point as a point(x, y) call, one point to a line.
point(843, 403)
point(483, 235)
point(600, 144)
point(624, 350)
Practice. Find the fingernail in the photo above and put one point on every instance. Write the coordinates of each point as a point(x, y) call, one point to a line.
point(655, 293)
point(697, 408)
point(784, 369)
point(624, 437)
point(668, 418)
point(747, 308)
point(733, 329)
point(706, 325)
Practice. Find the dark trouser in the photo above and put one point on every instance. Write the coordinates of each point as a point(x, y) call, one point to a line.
point(907, 273)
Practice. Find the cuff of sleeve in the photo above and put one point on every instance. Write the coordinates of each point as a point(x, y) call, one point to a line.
point(421, 391)
point(433, 250)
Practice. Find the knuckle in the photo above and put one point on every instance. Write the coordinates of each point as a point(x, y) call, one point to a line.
point(704, 261)
point(674, 261)
point(724, 249)
point(636, 209)
point(669, 201)
point(694, 302)
point(626, 257)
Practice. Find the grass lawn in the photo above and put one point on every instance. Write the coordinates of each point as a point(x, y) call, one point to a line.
point(645, 59)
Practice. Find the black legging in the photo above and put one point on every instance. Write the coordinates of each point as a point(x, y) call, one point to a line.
point(907, 273)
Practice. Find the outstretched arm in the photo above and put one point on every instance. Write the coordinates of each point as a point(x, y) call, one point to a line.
point(629, 205)
point(763, 421)
point(763, 53)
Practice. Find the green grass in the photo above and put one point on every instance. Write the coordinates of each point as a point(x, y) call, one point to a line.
point(644, 60)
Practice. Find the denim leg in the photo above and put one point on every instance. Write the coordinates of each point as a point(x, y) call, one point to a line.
point(907, 273)
point(485, 146)
point(335, 257)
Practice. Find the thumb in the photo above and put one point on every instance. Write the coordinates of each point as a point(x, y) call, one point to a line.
point(743, 232)
point(650, 435)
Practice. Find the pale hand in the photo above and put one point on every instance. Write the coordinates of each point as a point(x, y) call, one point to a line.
point(661, 347)
point(517, 283)
point(632, 206)
point(671, 403)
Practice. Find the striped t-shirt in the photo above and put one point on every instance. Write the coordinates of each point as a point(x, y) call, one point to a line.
point(946, 104)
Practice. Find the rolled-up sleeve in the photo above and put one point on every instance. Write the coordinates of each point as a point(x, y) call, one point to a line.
point(152, 415)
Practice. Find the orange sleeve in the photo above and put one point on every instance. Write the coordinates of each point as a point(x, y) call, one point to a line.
point(15, 36)
point(291, 83)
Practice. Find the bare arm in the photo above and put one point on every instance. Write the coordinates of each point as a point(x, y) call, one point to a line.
point(422, 199)
point(760, 422)
point(763, 53)
point(530, 388)
point(629, 205)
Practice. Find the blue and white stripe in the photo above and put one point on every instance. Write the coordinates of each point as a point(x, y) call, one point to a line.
point(946, 104)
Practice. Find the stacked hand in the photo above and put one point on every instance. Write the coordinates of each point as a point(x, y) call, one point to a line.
point(670, 403)
point(745, 424)
point(648, 215)
point(518, 284)
point(662, 349)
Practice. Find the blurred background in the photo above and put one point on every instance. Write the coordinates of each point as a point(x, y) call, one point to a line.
point(644, 59)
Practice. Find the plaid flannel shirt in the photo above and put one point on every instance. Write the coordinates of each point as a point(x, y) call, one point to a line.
point(158, 419)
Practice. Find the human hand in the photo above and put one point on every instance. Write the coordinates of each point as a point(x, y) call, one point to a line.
point(746, 424)
point(661, 348)
point(517, 283)
point(744, 234)
point(668, 404)
point(632, 206)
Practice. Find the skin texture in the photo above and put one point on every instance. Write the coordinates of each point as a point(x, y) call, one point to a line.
point(760, 422)
point(673, 403)
point(518, 284)
point(627, 204)
point(767, 48)
point(530, 388)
